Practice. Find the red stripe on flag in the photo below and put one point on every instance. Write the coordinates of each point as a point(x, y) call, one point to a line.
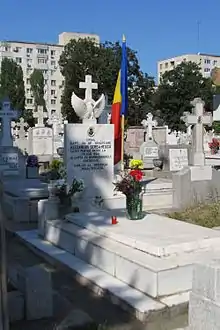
point(116, 121)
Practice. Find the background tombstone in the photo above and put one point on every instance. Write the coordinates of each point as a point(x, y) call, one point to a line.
point(149, 148)
point(6, 115)
point(40, 114)
point(199, 182)
point(106, 114)
point(21, 141)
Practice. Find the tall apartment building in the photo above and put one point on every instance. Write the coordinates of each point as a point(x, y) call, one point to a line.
point(45, 57)
point(206, 62)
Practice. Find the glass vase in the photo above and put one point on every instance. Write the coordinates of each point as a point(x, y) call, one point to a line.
point(134, 206)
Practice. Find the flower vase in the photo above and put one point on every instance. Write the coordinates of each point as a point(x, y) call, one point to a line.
point(134, 206)
point(214, 151)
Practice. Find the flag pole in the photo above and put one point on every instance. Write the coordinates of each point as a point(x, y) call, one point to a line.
point(122, 141)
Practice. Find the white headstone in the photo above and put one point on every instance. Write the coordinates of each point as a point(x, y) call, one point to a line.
point(22, 128)
point(178, 159)
point(41, 141)
point(198, 119)
point(149, 124)
point(6, 115)
point(40, 114)
point(89, 155)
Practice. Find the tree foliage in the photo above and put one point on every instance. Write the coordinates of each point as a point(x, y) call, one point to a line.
point(84, 57)
point(12, 85)
point(177, 89)
point(37, 87)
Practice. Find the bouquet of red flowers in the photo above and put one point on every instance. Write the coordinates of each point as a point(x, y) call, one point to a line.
point(214, 146)
point(131, 182)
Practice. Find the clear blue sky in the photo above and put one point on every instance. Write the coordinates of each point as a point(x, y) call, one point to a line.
point(156, 29)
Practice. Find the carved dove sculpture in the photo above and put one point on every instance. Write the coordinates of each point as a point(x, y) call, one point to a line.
point(88, 109)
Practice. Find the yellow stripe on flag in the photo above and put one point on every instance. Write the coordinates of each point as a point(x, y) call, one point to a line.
point(117, 94)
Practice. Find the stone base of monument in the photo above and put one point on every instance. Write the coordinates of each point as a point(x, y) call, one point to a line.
point(195, 184)
point(141, 265)
point(20, 198)
point(158, 194)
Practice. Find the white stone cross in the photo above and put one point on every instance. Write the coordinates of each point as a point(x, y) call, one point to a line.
point(198, 119)
point(56, 123)
point(88, 85)
point(6, 115)
point(149, 124)
point(40, 114)
point(22, 126)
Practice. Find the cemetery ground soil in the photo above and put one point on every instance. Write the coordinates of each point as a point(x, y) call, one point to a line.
point(206, 215)
point(71, 295)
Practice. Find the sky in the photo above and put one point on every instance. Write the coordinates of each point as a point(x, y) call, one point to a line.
point(156, 29)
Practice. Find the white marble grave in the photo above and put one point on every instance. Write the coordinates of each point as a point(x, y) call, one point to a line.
point(140, 263)
point(89, 147)
point(149, 148)
point(40, 115)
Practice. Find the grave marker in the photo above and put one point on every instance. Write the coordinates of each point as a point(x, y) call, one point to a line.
point(40, 114)
point(22, 126)
point(6, 115)
point(88, 85)
point(198, 119)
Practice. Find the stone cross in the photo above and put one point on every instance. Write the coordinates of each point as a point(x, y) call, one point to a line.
point(40, 114)
point(198, 119)
point(149, 124)
point(88, 85)
point(56, 123)
point(6, 115)
point(22, 126)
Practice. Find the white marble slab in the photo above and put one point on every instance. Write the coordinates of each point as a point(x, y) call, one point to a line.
point(154, 234)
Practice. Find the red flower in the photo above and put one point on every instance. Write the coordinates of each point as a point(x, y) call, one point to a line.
point(137, 174)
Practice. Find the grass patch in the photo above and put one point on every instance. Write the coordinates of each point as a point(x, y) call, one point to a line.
point(206, 215)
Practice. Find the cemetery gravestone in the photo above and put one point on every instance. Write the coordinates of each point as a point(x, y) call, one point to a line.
point(41, 142)
point(6, 115)
point(40, 114)
point(89, 147)
point(149, 149)
point(197, 183)
point(21, 141)
point(178, 159)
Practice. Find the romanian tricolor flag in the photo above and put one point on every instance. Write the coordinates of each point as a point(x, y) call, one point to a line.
point(120, 106)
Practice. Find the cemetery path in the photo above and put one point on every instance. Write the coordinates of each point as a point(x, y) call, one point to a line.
point(71, 295)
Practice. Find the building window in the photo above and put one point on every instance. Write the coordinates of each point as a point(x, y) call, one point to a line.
point(18, 60)
point(28, 90)
point(53, 82)
point(42, 51)
point(207, 70)
point(215, 62)
point(206, 61)
point(7, 48)
point(28, 81)
point(52, 92)
point(166, 65)
point(29, 50)
point(161, 66)
point(53, 111)
point(42, 61)
point(45, 81)
point(17, 49)
point(44, 71)
point(29, 60)
point(53, 101)
point(53, 52)
point(29, 101)
point(172, 63)
point(52, 72)
point(53, 62)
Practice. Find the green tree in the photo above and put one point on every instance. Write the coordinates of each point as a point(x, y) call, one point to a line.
point(84, 57)
point(177, 89)
point(37, 87)
point(12, 85)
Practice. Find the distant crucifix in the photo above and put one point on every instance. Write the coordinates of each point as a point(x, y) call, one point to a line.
point(40, 114)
